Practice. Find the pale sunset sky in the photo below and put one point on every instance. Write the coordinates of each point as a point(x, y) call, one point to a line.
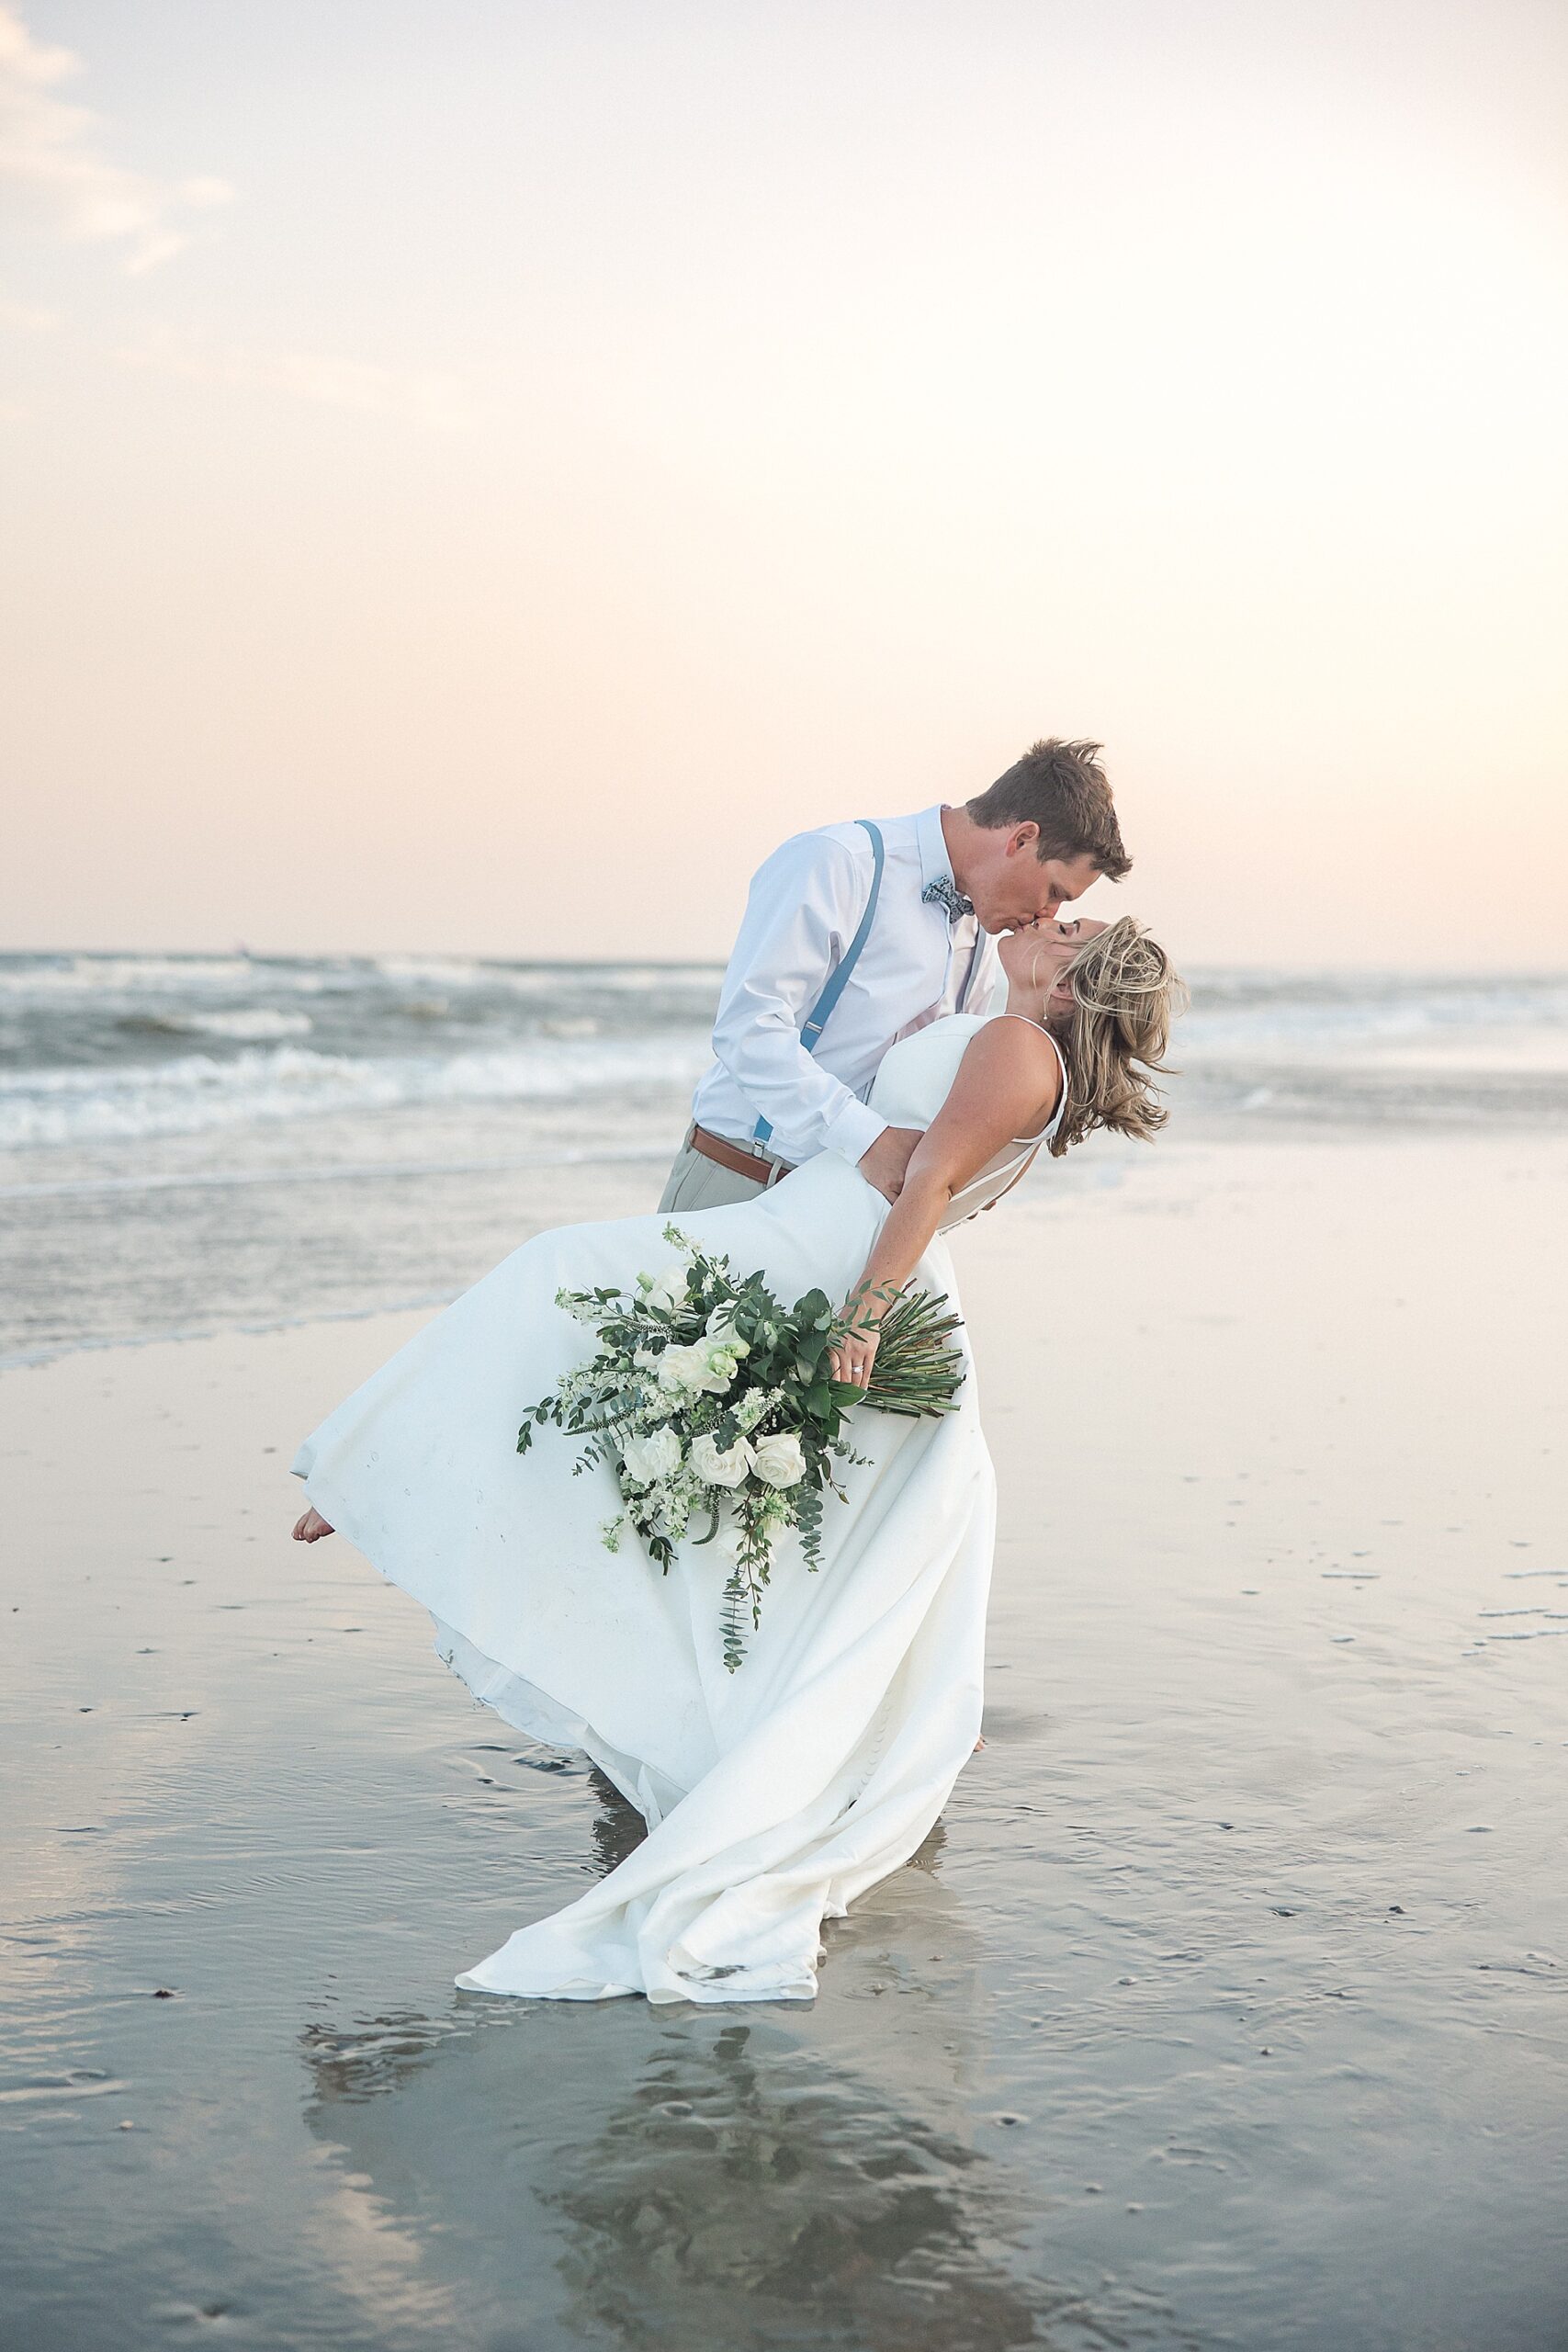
point(475, 477)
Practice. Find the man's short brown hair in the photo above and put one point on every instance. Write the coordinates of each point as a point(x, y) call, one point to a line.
point(1062, 788)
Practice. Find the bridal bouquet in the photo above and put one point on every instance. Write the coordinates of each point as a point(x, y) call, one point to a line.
point(712, 1401)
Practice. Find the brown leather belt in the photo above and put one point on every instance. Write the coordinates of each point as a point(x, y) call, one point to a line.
point(737, 1159)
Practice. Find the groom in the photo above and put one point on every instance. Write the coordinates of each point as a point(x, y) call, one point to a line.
point(856, 934)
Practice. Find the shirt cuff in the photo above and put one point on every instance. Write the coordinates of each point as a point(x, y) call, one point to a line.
point(853, 1131)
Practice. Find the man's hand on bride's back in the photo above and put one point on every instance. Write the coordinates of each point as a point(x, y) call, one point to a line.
point(886, 1163)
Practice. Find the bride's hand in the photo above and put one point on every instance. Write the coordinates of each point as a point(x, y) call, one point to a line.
point(851, 1356)
point(853, 1349)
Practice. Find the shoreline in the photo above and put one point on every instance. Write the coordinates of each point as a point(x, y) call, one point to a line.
point(615, 1182)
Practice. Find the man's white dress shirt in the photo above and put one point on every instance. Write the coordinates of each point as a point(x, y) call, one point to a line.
point(804, 908)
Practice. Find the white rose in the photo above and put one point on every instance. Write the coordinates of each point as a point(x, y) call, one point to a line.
point(720, 1469)
point(653, 1456)
point(778, 1460)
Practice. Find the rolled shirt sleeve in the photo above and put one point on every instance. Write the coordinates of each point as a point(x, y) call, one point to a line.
point(804, 907)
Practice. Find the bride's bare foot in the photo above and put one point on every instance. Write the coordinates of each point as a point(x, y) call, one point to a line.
point(978, 1744)
point(308, 1528)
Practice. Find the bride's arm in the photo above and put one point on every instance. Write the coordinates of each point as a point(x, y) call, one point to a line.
point(1007, 1085)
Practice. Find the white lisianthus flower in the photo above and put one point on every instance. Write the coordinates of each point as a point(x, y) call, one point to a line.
point(722, 1333)
point(666, 1290)
point(721, 1361)
point(716, 1468)
point(703, 1369)
point(681, 1370)
point(778, 1460)
point(654, 1455)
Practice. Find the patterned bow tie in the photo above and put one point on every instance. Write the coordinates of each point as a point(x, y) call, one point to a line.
point(944, 893)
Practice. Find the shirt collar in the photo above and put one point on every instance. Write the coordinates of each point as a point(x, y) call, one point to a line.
point(935, 864)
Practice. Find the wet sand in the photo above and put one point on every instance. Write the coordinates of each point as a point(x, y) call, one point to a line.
point(1224, 2007)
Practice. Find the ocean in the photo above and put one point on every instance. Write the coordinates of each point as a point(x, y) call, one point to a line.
point(194, 1143)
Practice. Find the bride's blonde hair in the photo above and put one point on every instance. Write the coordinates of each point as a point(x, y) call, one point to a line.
point(1125, 996)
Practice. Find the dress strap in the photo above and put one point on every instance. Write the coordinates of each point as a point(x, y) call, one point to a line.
point(1024, 1148)
point(1049, 1128)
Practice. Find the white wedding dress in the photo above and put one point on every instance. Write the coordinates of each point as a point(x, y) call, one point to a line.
point(774, 1795)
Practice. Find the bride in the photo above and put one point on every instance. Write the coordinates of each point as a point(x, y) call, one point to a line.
point(775, 1794)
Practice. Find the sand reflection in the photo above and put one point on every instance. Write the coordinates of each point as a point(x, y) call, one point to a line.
point(759, 2175)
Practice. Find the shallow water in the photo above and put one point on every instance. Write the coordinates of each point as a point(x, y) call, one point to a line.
point(188, 1143)
point(1224, 2008)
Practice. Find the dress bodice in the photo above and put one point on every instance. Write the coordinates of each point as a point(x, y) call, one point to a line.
point(913, 1082)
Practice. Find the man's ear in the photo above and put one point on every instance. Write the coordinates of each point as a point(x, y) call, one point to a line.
point(1023, 837)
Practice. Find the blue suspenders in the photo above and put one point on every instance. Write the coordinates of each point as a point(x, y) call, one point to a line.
point(974, 968)
point(817, 1018)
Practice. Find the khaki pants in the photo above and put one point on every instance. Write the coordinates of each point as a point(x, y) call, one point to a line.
point(698, 1184)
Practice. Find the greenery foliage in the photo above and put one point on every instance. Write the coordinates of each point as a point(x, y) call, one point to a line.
point(714, 1407)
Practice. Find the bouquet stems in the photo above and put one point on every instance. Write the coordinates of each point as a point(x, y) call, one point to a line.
point(916, 1370)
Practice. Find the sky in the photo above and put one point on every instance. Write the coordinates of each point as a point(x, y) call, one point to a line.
point(475, 478)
